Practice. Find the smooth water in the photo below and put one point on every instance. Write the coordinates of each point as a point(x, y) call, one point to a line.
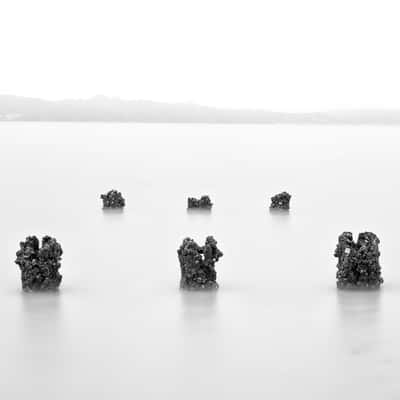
point(119, 328)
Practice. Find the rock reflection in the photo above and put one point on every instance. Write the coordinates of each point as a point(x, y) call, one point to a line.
point(201, 340)
point(359, 319)
point(112, 211)
point(199, 308)
point(41, 320)
point(113, 215)
point(279, 217)
point(196, 212)
point(279, 212)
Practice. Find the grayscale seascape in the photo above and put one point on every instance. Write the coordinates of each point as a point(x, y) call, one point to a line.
point(120, 328)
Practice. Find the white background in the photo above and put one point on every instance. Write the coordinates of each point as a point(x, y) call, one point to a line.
point(280, 55)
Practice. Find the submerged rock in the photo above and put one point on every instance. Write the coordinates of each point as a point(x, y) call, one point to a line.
point(113, 199)
point(198, 264)
point(281, 201)
point(358, 263)
point(203, 202)
point(39, 265)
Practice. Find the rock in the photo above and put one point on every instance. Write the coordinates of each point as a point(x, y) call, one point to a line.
point(203, 202)
point(113, 199)
point(39, 265)
point(198, 264)
point(358, 263)
point(281, 201)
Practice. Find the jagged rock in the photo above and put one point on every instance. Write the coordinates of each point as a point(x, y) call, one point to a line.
point(198, 264)
point(113, 199)
point(281, 201)
point(358, 263)
point(203, 202)
point(39, 265)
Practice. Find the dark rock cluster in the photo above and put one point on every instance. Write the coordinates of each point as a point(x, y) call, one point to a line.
point(39, 265)
point(198, 264)
point(358, 263)
point(113, 199)
point(281, 201)
point(203, 202)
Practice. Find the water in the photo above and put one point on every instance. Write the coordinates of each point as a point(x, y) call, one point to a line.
point(120, 328)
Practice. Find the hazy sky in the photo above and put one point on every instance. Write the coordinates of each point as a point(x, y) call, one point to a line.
point(280, 55)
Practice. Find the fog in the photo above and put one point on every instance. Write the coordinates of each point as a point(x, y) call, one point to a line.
point(119, 327)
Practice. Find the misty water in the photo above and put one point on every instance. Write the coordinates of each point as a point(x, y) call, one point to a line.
point(119, 328)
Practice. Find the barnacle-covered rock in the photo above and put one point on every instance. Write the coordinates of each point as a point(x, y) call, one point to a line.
point(198, 264)
point(281, 201)
point(203, 202)
point(113, 199)
point(358, 263)
point(39, 265)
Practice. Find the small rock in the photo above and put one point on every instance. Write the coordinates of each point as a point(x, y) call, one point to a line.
point(281, 201)
point(113, 199)
point(203, 202)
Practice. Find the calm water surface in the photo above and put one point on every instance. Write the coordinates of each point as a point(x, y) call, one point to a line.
point(119, 328)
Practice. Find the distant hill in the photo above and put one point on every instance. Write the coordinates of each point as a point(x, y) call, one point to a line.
point(100, 108)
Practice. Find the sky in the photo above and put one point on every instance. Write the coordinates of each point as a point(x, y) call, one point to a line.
point(282, 55)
